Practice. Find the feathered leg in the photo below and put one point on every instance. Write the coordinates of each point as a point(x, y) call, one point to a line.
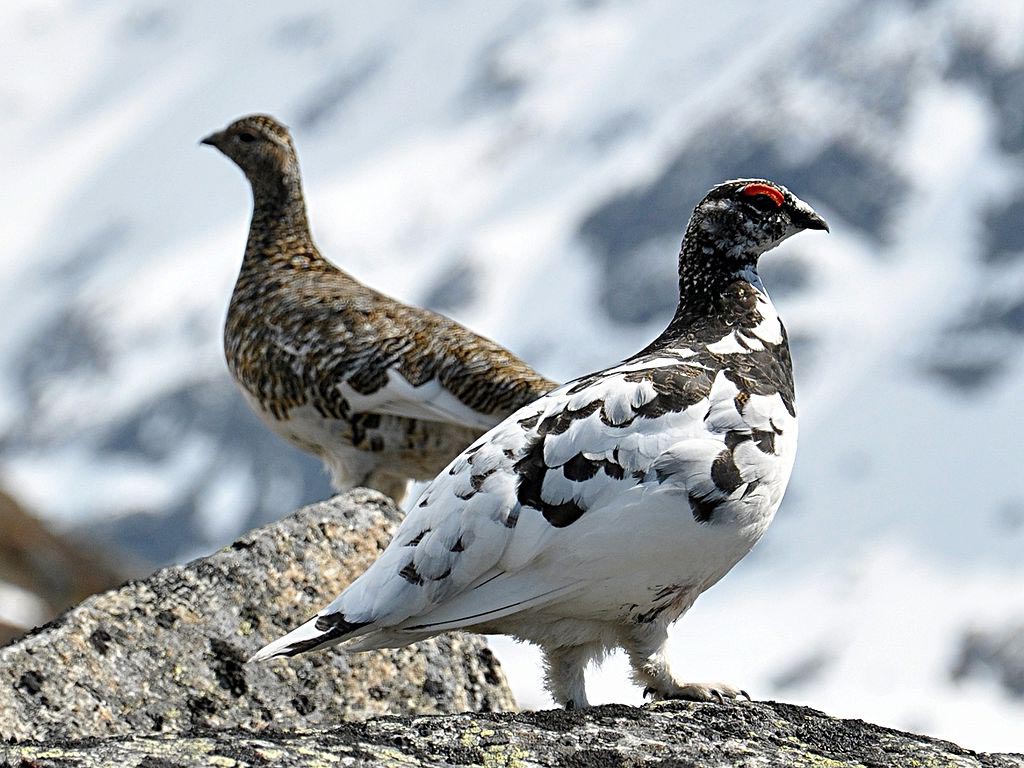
point(353, 469)
point(565, 666)
point(645, 646)
point(390, 485)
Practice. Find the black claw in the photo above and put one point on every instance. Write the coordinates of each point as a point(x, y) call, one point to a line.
point(649, 692)
point(746, 695)
point(570, 706)
point(718, 695)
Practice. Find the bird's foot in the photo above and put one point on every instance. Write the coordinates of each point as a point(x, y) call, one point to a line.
point(719, 692)
point(574, 705)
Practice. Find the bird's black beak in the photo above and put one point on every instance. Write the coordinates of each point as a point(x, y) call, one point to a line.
point(805, 218)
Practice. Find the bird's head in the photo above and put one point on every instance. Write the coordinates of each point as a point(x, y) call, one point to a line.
point(259, 145)
point(739, 220)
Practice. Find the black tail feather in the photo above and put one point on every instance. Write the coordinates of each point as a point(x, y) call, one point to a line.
point(334, 627)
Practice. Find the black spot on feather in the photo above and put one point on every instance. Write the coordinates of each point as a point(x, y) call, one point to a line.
point(532, 469)
point(337, 623)
point(734, 437)
point(650, 615)
point(559, 423)
point(417, 538)
point(765, 441)
point(410, 574)
point(477, 481)
point(609, 423)
point(765, 372)
point(724, 472)
point(564, 514)
point(703, 509)
point(529, 422)
point(676, 389)
point(579, 468)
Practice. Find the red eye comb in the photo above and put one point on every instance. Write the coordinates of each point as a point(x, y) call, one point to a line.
point(752, 190)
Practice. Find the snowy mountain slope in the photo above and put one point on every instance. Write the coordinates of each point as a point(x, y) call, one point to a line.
point(528, 166)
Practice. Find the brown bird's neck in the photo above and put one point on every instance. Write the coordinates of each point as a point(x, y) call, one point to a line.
point(280, 229)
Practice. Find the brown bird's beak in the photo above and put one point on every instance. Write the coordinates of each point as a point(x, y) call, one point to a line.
point(213, 139)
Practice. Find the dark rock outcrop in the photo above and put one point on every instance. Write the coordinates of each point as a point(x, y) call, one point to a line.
point(678, 734)
point(995, 653)
point(167, 653)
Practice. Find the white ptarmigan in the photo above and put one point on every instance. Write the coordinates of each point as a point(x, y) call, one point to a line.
point(595, 516)
point(381, 391)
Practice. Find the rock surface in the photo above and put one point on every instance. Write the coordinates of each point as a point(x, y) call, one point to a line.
point(167, 653)
point(680, 734)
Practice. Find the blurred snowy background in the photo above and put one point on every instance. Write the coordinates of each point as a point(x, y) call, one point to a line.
point(528, 167)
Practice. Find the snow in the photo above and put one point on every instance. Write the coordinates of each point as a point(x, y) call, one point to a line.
point(475, 134)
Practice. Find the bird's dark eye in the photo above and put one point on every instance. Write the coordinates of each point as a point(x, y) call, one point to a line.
point(762, 197)
point(763, 203)
point(246, 137)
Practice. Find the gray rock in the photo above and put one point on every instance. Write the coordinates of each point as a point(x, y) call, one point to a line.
point(679, 734)
point(167, 653)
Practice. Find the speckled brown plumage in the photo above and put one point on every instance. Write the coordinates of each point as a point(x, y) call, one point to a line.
point(381, 391)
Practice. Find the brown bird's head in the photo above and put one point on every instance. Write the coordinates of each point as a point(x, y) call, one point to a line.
point(259, 145)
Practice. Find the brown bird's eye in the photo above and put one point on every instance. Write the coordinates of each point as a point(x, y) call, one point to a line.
point(246, 137)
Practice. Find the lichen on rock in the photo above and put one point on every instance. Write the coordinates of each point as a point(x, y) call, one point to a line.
point(745, 735)
point(167, 653)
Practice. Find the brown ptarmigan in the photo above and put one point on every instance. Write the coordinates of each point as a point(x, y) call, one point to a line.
point(381, 391)
point(596, 516)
